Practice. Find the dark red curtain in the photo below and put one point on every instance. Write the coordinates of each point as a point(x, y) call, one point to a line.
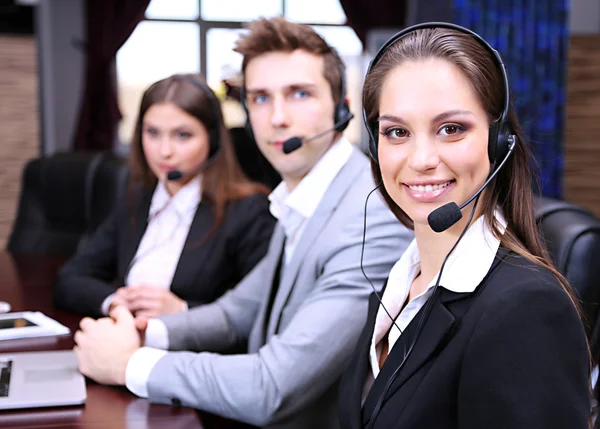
point(109, 23)
point(364, 15)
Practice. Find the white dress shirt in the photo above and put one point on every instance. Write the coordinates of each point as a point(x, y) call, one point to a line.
point(169, 222)
point(466, 267)
point(292, 210)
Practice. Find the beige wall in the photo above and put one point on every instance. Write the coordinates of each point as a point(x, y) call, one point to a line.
point(582, 138)
point(19, 136)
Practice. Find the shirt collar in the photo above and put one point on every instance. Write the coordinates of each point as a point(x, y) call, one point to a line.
point(185, 201)
point(466, 267)
point(307, 195)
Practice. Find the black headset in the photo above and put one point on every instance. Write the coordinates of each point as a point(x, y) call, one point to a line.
point(214, 134)
point(499, 135)
point(341, 114)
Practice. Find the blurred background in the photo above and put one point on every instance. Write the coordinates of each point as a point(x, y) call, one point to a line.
point(72, 73)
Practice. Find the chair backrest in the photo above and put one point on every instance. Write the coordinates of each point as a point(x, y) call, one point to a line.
point(107, 188)
point(56, 202)
point(572, 235)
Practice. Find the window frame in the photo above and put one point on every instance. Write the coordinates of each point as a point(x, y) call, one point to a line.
point(205, 26)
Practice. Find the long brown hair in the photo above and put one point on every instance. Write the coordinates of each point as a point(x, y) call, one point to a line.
point(223, 180)
point(511, 189)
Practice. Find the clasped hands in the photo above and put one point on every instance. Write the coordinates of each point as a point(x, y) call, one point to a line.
point(103, 347)
point(148, 300)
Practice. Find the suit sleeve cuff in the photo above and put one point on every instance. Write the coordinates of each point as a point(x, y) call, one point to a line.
point(106, 304)
point(157, 335)
point(138, 369)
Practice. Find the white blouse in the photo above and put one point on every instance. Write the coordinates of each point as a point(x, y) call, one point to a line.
point(169, 222)
point(466, 267)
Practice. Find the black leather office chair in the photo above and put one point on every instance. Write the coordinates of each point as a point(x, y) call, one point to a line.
point(56, 206)
point(107, 188)
point(572, 235)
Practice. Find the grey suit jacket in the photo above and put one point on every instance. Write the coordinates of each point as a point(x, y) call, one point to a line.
point(289, 377)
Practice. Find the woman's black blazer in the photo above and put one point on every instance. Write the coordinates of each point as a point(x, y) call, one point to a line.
point(208, 266)
point(510, 355)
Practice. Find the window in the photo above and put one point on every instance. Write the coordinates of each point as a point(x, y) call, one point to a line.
point(197, 36)
point(169, 9)
point(239, 10)
point(315, 11)
point(154, 51)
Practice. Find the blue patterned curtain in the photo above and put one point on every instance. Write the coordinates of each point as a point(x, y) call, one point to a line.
point(532, 38)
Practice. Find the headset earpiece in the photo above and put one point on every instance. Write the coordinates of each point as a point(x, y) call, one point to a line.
point(503, 142)
point(372, 140)
point(342, 114)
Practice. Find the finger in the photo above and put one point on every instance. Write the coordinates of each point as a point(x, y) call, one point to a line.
point(145, 304)
point(79, 356)
point(78, 337)
point(135, 288)
point(144, 292)
point(122, 293)
point(117, 303)
point(147, 314)
point(121, 315)
point(131, 294)
point(86, 323)
point(141, 322)
point(121, 301)
point(101, 325)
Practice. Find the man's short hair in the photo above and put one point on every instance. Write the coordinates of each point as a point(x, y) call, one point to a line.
point(279, 35)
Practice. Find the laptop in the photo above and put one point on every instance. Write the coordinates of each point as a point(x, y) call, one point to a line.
point(40, 379)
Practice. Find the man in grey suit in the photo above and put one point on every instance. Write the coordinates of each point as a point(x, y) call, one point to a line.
point(304, 305)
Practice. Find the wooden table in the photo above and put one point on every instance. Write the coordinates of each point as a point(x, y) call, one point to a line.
point(26, 283)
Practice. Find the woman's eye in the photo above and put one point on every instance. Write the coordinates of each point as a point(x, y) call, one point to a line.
point(398, 133)
point(151, 132)
point(451, 129)
point(184, 135)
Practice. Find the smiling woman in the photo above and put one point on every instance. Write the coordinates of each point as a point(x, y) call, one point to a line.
point(430, 149)
point(192, 226)
point(476, 328)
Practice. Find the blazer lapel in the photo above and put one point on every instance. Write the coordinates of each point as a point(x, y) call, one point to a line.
point(436, 332)
point(360, 367)
point(137, 227)
point(338, 188)
point(257, 337)
point(191, 260)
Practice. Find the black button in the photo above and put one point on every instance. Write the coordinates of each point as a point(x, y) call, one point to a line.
point(176, 402)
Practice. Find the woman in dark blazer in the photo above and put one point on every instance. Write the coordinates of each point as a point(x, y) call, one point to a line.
point(192, 226)
point(476, 329)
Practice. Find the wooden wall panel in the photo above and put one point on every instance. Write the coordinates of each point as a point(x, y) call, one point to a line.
point(582, 137)
point(19, 136)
